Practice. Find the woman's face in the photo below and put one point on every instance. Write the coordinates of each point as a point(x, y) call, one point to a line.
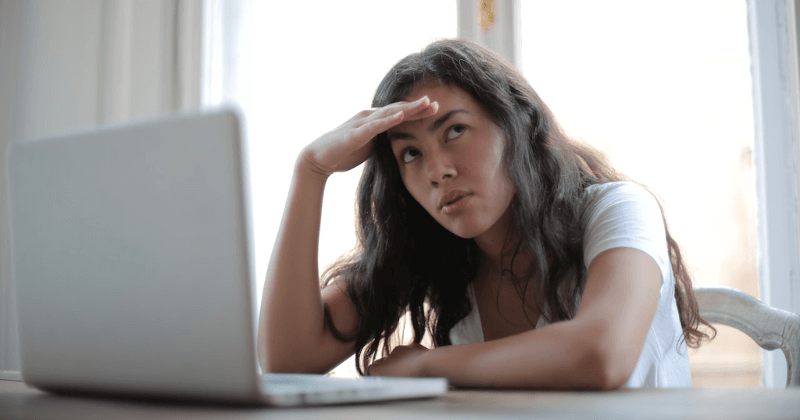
point(451, 163)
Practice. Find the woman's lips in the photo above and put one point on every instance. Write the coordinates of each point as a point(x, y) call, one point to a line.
point(456, 204)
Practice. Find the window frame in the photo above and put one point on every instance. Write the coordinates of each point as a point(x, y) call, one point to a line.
point(774, 59)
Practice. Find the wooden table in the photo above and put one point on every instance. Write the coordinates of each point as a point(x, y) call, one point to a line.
point(17, 401)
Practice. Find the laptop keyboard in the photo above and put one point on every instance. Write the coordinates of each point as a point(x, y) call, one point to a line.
point(275, 382)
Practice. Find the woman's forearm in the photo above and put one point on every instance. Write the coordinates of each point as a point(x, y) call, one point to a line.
point(291, 318)
point(561, 355)
point(598, 349)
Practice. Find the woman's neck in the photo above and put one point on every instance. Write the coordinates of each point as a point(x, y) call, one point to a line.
point(499, 248)
point(492, 241)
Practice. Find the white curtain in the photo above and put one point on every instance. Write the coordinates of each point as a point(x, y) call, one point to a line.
point(72, 65)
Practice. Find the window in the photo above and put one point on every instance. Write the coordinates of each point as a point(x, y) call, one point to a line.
point(665, 90)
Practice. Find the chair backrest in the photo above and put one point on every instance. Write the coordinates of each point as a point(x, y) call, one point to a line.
point(769, 327)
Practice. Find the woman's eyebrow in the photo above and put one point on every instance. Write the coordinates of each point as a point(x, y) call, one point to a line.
point(441, 120)
point(399, 135)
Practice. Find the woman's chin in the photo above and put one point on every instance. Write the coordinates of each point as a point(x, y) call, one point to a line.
point(464, 232)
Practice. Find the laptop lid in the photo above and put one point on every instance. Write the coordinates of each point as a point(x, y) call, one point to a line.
point(132, 259)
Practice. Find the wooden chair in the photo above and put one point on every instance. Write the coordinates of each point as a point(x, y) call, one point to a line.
point(769, 327)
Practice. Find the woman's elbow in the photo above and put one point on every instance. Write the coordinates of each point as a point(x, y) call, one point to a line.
point(273, 360)
point(261, 349)
point(273, 364)
point(608, 366)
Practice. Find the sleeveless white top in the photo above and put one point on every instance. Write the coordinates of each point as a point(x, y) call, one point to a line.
point(624, 215)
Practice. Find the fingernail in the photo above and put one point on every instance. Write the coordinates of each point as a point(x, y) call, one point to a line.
point(399, 115)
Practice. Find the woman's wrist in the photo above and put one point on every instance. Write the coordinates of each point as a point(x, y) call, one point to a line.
point(428, 362)
point(305, 168)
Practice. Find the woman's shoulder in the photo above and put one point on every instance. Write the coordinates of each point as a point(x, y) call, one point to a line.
point(600, 197)
point(623, 214)
point(617, 188)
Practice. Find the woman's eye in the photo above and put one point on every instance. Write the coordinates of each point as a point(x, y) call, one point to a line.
point(455, 131)
point(409, 154)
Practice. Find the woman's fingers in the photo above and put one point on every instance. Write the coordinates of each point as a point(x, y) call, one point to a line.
point(401, 361)
point(420, 106)
point(391, 115)
point(411, 110)
point(351, 143)
point(422, 112)
point(372, 128)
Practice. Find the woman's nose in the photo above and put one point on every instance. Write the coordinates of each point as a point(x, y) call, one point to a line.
point(440, 167)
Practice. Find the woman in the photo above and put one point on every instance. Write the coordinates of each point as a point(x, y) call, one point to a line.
point(491, 229)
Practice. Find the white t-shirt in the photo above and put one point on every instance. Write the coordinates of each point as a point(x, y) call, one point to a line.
point(624, 215)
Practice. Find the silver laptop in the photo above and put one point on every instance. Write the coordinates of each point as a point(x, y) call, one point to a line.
point(132, 256)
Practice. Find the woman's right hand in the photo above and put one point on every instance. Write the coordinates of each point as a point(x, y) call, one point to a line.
point(352, 143)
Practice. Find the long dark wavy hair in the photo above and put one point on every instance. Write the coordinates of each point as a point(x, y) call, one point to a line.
point(406, 263)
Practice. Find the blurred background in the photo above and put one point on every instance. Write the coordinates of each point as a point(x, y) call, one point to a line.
point(664, 88)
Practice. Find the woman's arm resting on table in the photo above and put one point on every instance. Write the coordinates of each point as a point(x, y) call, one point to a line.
point(598, 349)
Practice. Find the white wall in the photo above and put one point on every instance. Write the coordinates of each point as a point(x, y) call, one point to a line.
point(72, 65)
